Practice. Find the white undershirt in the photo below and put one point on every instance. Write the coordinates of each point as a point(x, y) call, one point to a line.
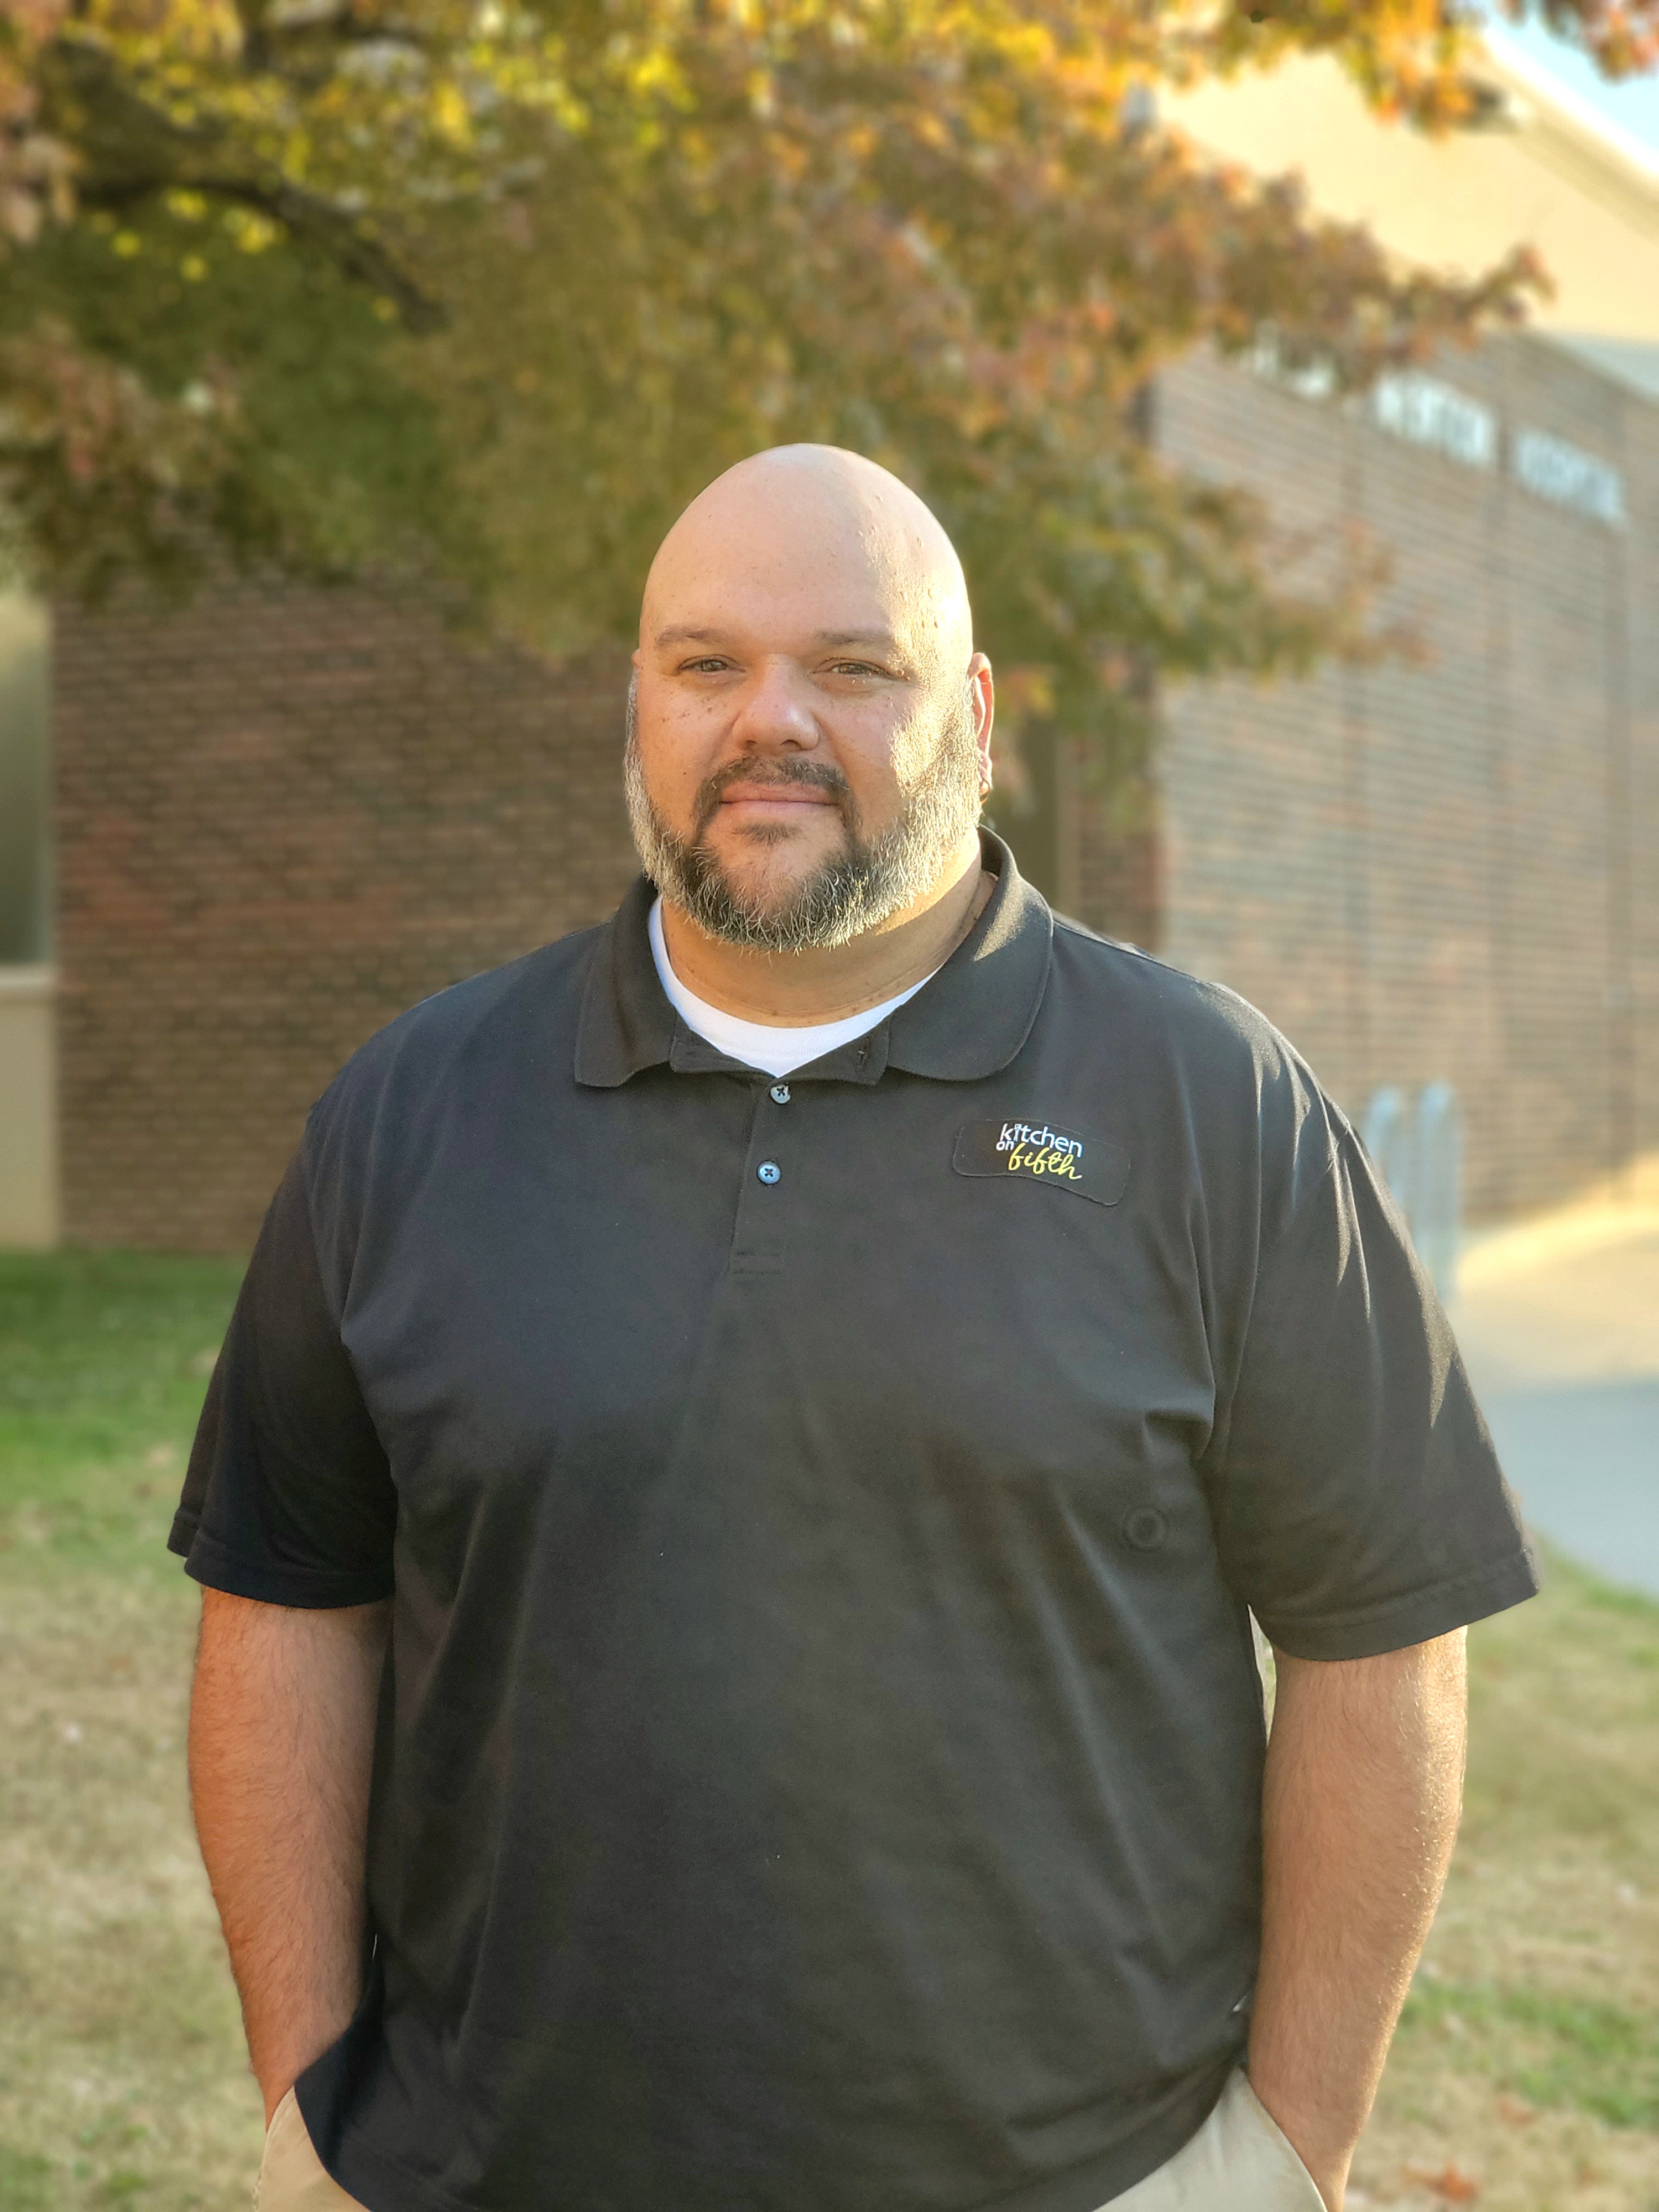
point(765, 1045)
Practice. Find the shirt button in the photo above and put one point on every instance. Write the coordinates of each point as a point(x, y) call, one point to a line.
point(769, 1171)
point(780, 1094)
point(1146, 1528)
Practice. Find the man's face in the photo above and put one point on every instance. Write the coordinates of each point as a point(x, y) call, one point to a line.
point(805, 749)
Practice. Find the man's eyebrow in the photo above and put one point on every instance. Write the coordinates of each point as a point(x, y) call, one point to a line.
point(833, 640)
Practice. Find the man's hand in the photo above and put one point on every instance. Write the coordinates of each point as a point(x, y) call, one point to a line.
point(1359, 1810)
point(281, 1737)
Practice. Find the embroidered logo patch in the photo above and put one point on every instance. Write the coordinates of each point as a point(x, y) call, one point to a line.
point(1089, 1167)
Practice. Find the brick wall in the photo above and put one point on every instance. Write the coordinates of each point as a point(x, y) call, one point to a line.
point(1445, 869)
point(1118, 861)
point(282, 817)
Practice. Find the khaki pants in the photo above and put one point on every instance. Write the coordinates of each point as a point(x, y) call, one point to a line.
point(292, 2177)
point(1238, 2161)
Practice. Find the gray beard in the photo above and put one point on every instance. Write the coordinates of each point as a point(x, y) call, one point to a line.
point(858, 890)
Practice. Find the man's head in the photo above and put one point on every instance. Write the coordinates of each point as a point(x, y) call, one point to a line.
point(809, 724)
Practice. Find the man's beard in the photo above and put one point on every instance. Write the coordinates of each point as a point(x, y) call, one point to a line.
point(856, 889)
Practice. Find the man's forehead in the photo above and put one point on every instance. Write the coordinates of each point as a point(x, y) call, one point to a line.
point(779, 604)
point(800, 607)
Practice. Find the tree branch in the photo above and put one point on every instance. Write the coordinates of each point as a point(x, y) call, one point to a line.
point(132, 150)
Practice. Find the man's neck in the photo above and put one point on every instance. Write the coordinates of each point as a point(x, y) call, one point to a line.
point(792, 990)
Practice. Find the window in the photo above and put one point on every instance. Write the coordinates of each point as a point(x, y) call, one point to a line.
point(25, 802)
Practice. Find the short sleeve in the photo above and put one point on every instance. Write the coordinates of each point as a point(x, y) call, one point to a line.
point(287, 1497)
point(1362, 1509)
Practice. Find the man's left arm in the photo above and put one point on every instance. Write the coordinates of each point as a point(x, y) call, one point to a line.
point(1363, 1785)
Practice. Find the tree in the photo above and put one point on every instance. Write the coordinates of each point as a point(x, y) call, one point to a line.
point(491, 287)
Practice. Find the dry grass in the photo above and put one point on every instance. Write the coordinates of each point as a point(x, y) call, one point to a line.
point(122, 2074)
point(1526, 2071)
point(1530, 2056)
point(123, 2079)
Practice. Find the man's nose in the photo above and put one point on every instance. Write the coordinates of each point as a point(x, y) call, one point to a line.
point(777, 712)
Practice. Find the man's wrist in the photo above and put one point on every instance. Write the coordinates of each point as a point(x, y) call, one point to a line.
point(278, 2065)
point(273, 2096)
point(1328, 2162)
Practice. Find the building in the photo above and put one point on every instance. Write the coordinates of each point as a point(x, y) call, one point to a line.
point(1451, 871)
point(282, 815)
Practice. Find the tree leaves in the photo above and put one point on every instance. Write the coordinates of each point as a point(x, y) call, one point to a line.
point(492, 287)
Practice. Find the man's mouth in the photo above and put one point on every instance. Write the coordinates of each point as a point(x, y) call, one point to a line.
point(772, 800)
point(777, 802)
point(776, 794)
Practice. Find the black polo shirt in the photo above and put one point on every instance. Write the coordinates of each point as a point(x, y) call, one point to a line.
point(820, 1754)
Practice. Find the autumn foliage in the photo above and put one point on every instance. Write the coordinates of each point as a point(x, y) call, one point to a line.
point(487, 287)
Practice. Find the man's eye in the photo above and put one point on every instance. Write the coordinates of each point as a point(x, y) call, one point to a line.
point(712, 667)
point(853, 668)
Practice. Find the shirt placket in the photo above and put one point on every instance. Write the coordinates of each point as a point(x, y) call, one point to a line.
point(770, 1170)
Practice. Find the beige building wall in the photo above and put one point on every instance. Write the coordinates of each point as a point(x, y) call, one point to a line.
point(28, 1109)
point(1543, 173)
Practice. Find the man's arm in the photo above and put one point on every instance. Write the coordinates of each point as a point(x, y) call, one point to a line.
point(281, 1737)
point(1364, 1785)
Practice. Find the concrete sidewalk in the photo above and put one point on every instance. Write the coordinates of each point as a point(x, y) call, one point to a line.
point(1559, 1320)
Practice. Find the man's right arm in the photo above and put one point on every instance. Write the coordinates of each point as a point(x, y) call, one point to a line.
point(281, 1738)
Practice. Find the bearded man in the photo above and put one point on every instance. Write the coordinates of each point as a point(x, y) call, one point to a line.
point(730, 1506)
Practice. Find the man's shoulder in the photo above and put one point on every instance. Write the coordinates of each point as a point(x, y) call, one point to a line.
point(1169, 1008)
point(1186, 1053)
point(529, 1006)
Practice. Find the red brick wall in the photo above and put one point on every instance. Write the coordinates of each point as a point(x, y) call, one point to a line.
point(1119, 861)
point(282, 817)
point(1449, 869)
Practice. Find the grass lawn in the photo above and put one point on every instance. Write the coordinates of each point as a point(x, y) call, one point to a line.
point(1525, 2078)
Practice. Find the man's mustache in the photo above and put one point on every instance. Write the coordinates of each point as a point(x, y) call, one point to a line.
point(819, 774)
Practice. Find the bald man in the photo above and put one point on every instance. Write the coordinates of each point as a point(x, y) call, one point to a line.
point(731, 1501)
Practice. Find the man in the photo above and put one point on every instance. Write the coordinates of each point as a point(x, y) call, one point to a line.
point(730, 1501)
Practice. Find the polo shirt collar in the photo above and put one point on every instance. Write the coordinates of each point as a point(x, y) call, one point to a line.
point(968, 1021)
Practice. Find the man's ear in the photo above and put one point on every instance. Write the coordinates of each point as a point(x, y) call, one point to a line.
point(981, 688)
